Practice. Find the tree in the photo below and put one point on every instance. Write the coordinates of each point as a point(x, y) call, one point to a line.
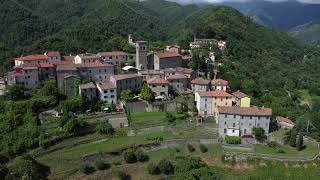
point(141, 156)
point(87, 169)
point(15, 93)
point(146, 93)
point(101, 165)
point(185, 165)
point(166, 167)
point(25, 167)
point(153, 169)
point(293, 138)
point(233, 139)
point(258, 133)
point(105, 128)
point(126, 96)
point(300, 142)
point(129, 156)
point(3, 171)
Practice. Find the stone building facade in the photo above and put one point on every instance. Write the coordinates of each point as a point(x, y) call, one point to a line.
point(167, 59)
point(88, 90)
point(159, 86)
point(178, 83)
point(107, 92)
point(239, 121)
point(131, 82)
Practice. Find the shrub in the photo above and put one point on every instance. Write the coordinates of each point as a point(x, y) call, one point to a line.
point(154, 138)
point(166, 167)
point(233, 139)
point(258, 133)
point(3, 172)
point(105, 128)
point(153, 169)
point(272, 144)
point(293, 138)
point(87, 169)
point(170, 117)
point(280, 151)
point(177, 149)
point(3, 159)
point(122, 176)
point(185, 165)
point(101, 165)
point(203, 148)
point(129, 156)
point(190, 148)
point(300, 142)
point(141, 156)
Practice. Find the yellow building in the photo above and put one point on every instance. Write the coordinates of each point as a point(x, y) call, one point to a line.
point(241, 99)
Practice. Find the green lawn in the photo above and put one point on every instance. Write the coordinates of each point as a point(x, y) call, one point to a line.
point(309, 151)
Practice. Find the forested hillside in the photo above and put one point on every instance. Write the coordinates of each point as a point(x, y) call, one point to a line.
point(268, 65)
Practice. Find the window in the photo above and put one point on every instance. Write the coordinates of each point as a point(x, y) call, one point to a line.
point(258, 117)
point(241, 117)
point(225, 131)
point(234, 124)
point(250, 117)
point(205, 99)
point(225, 116)
point(112, 96)
point(258, 124)
point(106, 91)
point(234, 116)
point(154, 86)
point(241, 124)
point(225, 123)
point(205, 105)
point(232, 130)
point(105, 70)
point(163, 86)
point(105, 97)
point(205, 112)
point(245, 131)
point(250, 124)
point(112, 90)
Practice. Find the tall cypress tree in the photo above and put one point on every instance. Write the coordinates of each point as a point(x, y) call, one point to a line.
point(293, 138)
point(300, 142)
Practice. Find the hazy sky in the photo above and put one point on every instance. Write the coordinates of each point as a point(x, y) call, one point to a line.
point(304, 1)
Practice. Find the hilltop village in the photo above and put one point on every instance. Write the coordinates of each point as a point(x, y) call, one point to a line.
point(107, 75)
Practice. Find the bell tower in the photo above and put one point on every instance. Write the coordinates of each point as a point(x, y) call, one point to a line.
point(142, 55)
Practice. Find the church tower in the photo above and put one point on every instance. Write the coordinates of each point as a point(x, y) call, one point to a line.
point(142, 55)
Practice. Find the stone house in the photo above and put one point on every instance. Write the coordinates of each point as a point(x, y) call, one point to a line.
point(86, 58)
point(159, 86)
point(107, 92)
point(239, 121)
point(142, 62)
point(63, 71)
point(88, 90)
point(114, 58)
point(149, 74)
point(31, 59)
point(200, 84)
point(219, 85)
point(26, 75)
point(207, 102)
point(166, 59)
point(131, 82)
point(47, 71)
point(284, 123)
point(178, 83)
point(69, 86)
point(191, 74)
point(53, 56)
point(99, 72)
point(241, 99)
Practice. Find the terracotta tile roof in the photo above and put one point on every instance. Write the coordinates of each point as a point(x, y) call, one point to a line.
point(175, 77)
point(53, 53)
point(167, 54)
point(125, 76)
point(239, 94)
point(251, 111)
point(67, 67)
point(178, 70)
point(106, 85)
point(87, 86)
point(201, 81)
point(68, 58)
point(33, 57)
point(283, 119)
point(151, 72)
point(46, 65)
point(88, 56)
point(214, 94)
point(16, 72)
point(219, 82)
point(157, 80)
point(113, 53)
point(95, 65)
